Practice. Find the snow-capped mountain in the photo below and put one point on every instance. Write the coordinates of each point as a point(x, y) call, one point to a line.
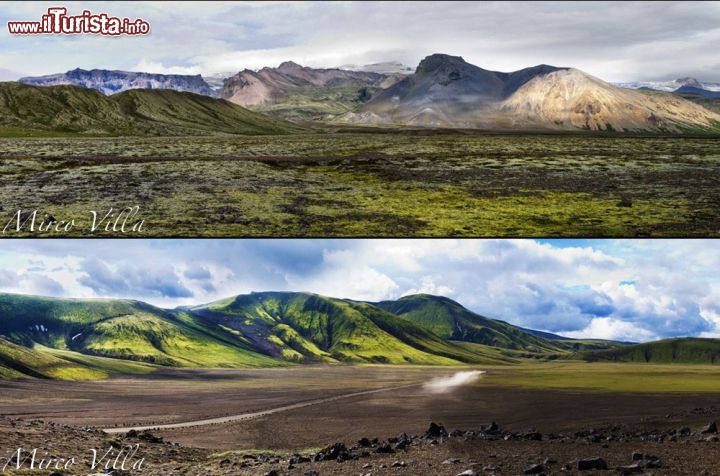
point(669, 86)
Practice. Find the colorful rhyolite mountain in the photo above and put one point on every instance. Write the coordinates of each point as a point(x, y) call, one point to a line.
point(446, 91)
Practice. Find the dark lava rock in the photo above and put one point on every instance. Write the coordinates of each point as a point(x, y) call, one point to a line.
point(311, 472)
point(591, 463)
point(272, 472)
point(435, 431)
point(710, 428)
point(491, 428)
point(364, 442)
point(637, 456)
point(132, 434)
point(336, 451)
point(385, 448)
point(534, 469)
point(399, 464)
point(451, 461)
point(297, 459)
point(631, 469)
point(532, 435)
point(402, 441)
point(149, 437)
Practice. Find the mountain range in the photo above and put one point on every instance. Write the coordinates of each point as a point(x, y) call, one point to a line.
point(670, 86)
point(77, 339)
point(297, 92)
point(444, 91)
point(87, 338)
point(112, 82)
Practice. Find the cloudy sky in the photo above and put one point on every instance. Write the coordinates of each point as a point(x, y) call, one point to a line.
point(627, 289)
point(617, 41)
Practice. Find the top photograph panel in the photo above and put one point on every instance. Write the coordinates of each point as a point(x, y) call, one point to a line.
point(360, 119)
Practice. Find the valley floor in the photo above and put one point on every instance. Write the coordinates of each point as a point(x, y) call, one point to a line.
point(366, 184)
point(562, 425)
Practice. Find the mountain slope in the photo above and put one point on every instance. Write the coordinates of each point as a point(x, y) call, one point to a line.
point(296, 92)
point(307, 327)
point(112, 82)
point(452, 321)
point(120, 329)
point(682, 350)
point(76, 110)
point(446, 91)
point(571, 98)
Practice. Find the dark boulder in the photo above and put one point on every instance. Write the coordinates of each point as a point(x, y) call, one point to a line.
point(385, 448)
point(435, 431)
point(534, 469)
point(709, 428)
point(591, 463)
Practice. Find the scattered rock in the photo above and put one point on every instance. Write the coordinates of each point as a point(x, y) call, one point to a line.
point(591, 463)
point(364, 442)
point(534, 469)
point(336, 451)
point(467, 472)
point(385, 448)
point(297, 459)
point(451, 461)
point(631, 469)
point(709, 428)
point(399, 464)
point(311, 472)
point(435, 431)
point(491, 428)
point(149, 437)
point(273, 472)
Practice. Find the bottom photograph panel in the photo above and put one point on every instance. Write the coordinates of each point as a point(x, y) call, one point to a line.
point(359, 357)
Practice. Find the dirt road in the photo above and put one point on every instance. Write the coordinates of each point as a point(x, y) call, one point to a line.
point(250, 415)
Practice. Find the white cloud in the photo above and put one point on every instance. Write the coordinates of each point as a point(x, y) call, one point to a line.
point(641, 40)
point(147, 66)
point(613, 329)
point(345, 276)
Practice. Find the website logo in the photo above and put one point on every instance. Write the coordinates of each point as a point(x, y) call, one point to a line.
point(58, 22)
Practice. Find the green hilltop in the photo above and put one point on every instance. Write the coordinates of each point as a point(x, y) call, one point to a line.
point(73, 110)
point(306, 327)
point(452, 321)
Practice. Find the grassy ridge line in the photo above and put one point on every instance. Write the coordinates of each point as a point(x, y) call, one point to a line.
point(121, 329)
point(689, 350)
point(307, 327)
point(72, 110)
